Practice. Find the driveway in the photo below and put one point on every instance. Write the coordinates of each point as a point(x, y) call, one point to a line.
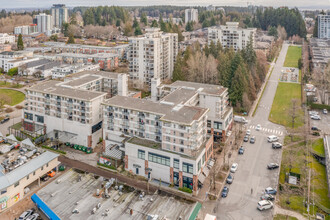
point(252, 176)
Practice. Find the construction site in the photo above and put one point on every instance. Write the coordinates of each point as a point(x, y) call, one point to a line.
point(79, 195)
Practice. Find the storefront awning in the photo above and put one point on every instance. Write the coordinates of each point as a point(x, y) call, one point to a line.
point(201, 178)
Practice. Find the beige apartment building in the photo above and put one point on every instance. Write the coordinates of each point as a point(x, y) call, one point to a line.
point(152, 56)
point(14, 183)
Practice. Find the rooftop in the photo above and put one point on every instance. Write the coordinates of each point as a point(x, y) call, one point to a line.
point(54, 87)
point(144, 142)
point(37, 63)
point(201, 87)
point(17, 174)
point(104, 74)
point(168, 111)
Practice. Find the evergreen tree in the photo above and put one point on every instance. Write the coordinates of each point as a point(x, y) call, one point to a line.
point(137, 31)
point(177, 71)
point(65, 28)
point(154, 24)
point(189, 26)
point(272, 31)
point(20, 44)
point(118, 23)
point(135, 23)
point(71, 39)
point(316, 27)
point(144, 18)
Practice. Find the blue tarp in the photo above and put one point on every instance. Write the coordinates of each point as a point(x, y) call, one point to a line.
point(44, 208)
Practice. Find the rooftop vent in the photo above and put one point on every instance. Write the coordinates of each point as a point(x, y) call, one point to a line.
point(167, 103)
point(177, 107)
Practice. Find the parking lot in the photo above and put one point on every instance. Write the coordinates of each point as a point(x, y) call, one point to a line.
point(322, 124)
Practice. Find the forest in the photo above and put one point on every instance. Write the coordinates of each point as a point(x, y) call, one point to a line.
point(242, 72)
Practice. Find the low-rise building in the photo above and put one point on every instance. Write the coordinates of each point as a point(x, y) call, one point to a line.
point(29, 68)
point(7, 56)
point(26, 29)
point(14, 183)
point(59, 72)
point(320, 52)
point(70, 110)
point(6, 38)
point(18, 62)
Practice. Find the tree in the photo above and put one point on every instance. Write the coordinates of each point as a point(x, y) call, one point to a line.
point(135, 23)
point(54, 37)
point(272, 31)
point(154, 23)
point(282, 32)
point(13, 71)
point(144, 19)
point(20, 44)
point(73, 19)
point(293, 112)
point(321, 79)
point(128, 30)
point(137, 31)
point(300, 64)
point(189, 26)
point(177, 71)
point(118, 23)
point(316, 27)
point(71, 39)
point(65, 27)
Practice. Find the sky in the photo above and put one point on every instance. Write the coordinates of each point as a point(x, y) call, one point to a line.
point(313, 4)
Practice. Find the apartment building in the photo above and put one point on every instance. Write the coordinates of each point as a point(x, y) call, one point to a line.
point(59, 15)
point(60, 72)
point(324, 26)
point(191, 14)
point(212, 97)
point(6, 38)
point(230, 35)
point(18, 62)
point(70, 110)
point(166, 141)
point(14, 183)
point(26, 29)
point(7, 56)
point(44, 23)
point(152, 56)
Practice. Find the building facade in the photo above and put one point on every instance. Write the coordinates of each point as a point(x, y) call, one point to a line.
point(44, 23)
point(231, 36)
point(14, 183)
point(59, 15)
point(324, 26)
point(152, 56)
point(60, 72)
point(26, 29)
point(70, 110)
point(6, 38)
point(191, 14)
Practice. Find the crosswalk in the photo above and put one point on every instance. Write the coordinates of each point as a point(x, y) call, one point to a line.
point(268, 130)
point(265, 107)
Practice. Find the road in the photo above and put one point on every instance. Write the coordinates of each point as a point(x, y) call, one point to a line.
point(252, 172)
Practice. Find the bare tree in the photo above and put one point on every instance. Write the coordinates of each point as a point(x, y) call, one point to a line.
point(281, 32)
point(74, 30)
point(321, 79)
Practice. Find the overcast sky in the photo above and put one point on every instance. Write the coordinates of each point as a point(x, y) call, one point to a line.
point(315, 4)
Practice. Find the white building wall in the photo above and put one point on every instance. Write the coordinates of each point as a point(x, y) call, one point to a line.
point(6, 38)
point(324, 26)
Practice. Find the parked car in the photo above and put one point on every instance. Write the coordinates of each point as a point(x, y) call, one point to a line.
point(51, 173)
point(246, 138)
point(26, 214)
point(4, 120)
point(35, 216)
point(313, 113)
point(272, 166)
point(325, 111)
point(241, 150)
point(276, 145)
point(264, 205)
point(248, 132)
point(44, 177)
point(270, 190)
point(224, 192)
point(252, 139)
point(234, 167)
point(230, 179)
point(258, 128)
point(272, 138)
point(316, 133)
point(267, 197)
point(14, 146)
point(315, 117)
point(314, 128)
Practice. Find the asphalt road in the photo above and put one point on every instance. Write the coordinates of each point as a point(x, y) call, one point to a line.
point(252, 170)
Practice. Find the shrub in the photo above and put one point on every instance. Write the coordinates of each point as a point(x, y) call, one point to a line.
point(8, 110)
point(58, 151)
point(320, 106)
point(13, 71)
point(185, 189)
point(107, 166)
point(18, 107)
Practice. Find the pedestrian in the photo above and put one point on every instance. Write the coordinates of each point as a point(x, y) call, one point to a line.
point(251, 191)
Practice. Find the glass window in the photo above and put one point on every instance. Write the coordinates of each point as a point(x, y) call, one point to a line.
point(28, 116)
point(156, 158)
point(218, 125)
point(141, 154)
point(208, 123)
point(176, 163)
point(187, 168)
point(203, 159)
point(16, 184)
point(39, 118)
point(199, 165)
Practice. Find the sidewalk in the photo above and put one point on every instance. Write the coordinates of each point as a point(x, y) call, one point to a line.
point(279, 210)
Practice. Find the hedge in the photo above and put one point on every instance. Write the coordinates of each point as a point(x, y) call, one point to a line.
point(58, 151)
point(185, 189)
point(320, 106)
point(106, 166)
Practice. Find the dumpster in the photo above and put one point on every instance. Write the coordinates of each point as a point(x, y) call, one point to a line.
point(89, 150)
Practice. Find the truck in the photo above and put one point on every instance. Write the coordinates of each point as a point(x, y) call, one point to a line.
point(240, 119)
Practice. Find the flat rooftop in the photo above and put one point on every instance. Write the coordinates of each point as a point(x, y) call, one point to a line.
point(180, 95)
point(69, 194)
point(104, 74)
point(54, 87)
point(168, 111)
point(201, 87)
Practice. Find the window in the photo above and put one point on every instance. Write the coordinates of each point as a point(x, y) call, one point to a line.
point(156, 158)
point(96, 127)
point(181, 150)
point(39, 118)
point(141, 154)
point(208, 123)
point(47, 165)
point(182, 127)
point(218, 125)
point(199, 165)
point(28, 177)
point(181, 142)
point(187, 168)
point(203, 159)
point(168, 138)
point(176, 163)
point(16, 184)
point(28, 116)
point(42, 168)
point(3, 191)
point(182, 134)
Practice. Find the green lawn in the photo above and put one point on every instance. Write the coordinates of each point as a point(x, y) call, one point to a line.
point(318, 147)
point(10, 85)
point(11, 97)
point(280, 112)
point(284, 217)
point(295, 138)
point(292, 56)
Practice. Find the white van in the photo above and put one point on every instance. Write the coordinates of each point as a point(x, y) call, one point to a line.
point(264, 204)
point(240, 119)
point(272, 138)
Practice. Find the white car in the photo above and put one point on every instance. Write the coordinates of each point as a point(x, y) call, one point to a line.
point(325, 111)
point(272, 138)
point(233, 168)
point(258, 128)
point(316, 117)
point(248, 132)
point(313, 113)
point(264, 205)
